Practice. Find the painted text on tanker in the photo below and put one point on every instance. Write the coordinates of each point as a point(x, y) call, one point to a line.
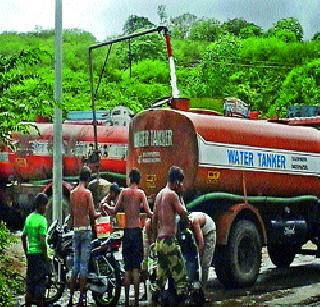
point(258, 159)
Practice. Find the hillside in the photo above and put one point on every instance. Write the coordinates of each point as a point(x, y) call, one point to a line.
point(269, 70)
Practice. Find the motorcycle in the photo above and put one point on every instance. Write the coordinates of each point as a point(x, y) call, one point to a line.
point(104, 275)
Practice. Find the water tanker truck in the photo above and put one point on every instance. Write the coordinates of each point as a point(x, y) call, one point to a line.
point(258, 180)
point(26, 168)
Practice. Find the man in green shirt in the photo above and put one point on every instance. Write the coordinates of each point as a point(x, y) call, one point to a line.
point(35, 249)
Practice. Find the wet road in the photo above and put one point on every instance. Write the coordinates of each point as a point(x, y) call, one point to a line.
point(299, 284)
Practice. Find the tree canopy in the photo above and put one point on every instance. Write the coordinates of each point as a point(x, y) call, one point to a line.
point(269, 70)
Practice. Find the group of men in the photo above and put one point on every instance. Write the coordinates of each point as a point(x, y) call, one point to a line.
point(130, 200)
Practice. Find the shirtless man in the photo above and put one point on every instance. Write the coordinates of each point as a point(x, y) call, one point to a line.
point(204, 230)
point(170, 260)
point(130, 200)
point(82, 218)
point(111, 199)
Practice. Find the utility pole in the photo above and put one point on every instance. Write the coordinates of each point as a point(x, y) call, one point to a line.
point(57, 120)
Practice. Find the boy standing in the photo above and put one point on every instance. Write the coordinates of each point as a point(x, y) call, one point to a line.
point(35, 249)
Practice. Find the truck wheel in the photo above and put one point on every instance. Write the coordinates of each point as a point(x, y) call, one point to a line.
point(240, 259)
point(220, 265)
point(281, 255)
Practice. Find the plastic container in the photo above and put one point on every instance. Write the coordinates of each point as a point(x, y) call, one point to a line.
point(103, 227)
point(121, 219)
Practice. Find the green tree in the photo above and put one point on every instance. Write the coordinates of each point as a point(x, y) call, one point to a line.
point(316, 36)
point(251, 30)
point(205, 30)
point(235, 25)
point(301, 86)
point(162, 13)
point(217, 66)
point(290, 24)
point(181, 25)
point(23, 93)
point(134, 23)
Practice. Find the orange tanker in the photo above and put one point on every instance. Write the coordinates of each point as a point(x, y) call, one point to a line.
point(258, 180)
point(33, 154)
point(223, 153)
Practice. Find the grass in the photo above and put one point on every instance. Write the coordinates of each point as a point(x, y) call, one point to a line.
point(214, 104)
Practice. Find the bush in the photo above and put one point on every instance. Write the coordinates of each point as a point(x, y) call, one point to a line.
point(11, 283)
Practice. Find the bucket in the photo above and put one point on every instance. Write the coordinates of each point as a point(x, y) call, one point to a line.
point(121, 219)
point(103, 226)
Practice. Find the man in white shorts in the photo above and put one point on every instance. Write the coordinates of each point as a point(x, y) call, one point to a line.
point(204, 230)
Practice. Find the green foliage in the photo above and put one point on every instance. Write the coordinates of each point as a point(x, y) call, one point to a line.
point(216, 67)
point(251, 30)
point(23, 92)
point(134, 23)
point(234, 26)
point(181, 25)
point(316, 36)
point(290, 24)
point(205, 30)
point(11, 283)
point(301, 86)
point(188, 53)
point(162, 13)
point(208, 104)
point(5, 238)
point(212, 61)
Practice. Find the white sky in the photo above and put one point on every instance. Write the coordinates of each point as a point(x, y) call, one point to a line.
point(107, 17)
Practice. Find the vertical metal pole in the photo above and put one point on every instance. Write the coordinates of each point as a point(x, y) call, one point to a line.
point(57, 121)
point(130, 58)
point(93, 100)
point(173, 78)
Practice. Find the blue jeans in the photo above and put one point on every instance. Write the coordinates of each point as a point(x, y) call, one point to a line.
point(81, 246)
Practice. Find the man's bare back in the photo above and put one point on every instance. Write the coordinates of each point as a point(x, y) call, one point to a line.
point(82, 209)
point(130, 200)
point(166, 207)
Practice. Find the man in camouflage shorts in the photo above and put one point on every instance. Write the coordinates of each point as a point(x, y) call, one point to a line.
point(170, 260)
point(170, 263)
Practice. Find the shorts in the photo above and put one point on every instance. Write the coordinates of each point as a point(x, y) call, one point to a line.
point(171, 263)
point(36, 276)
point(132, 248)
point(81, 246)
point(209, 247)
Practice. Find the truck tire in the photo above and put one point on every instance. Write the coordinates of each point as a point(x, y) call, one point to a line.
point(238, 263)
point(220, 265)
point(281, 255)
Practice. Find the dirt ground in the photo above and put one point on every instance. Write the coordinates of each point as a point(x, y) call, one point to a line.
point(297, 285)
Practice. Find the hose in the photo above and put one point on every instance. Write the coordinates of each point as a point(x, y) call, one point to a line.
point(251, 199)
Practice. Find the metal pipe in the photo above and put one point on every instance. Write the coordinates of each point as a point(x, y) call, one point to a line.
point(93, 101)
point(120, 39)
point(57, 120)
point(130, 58)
